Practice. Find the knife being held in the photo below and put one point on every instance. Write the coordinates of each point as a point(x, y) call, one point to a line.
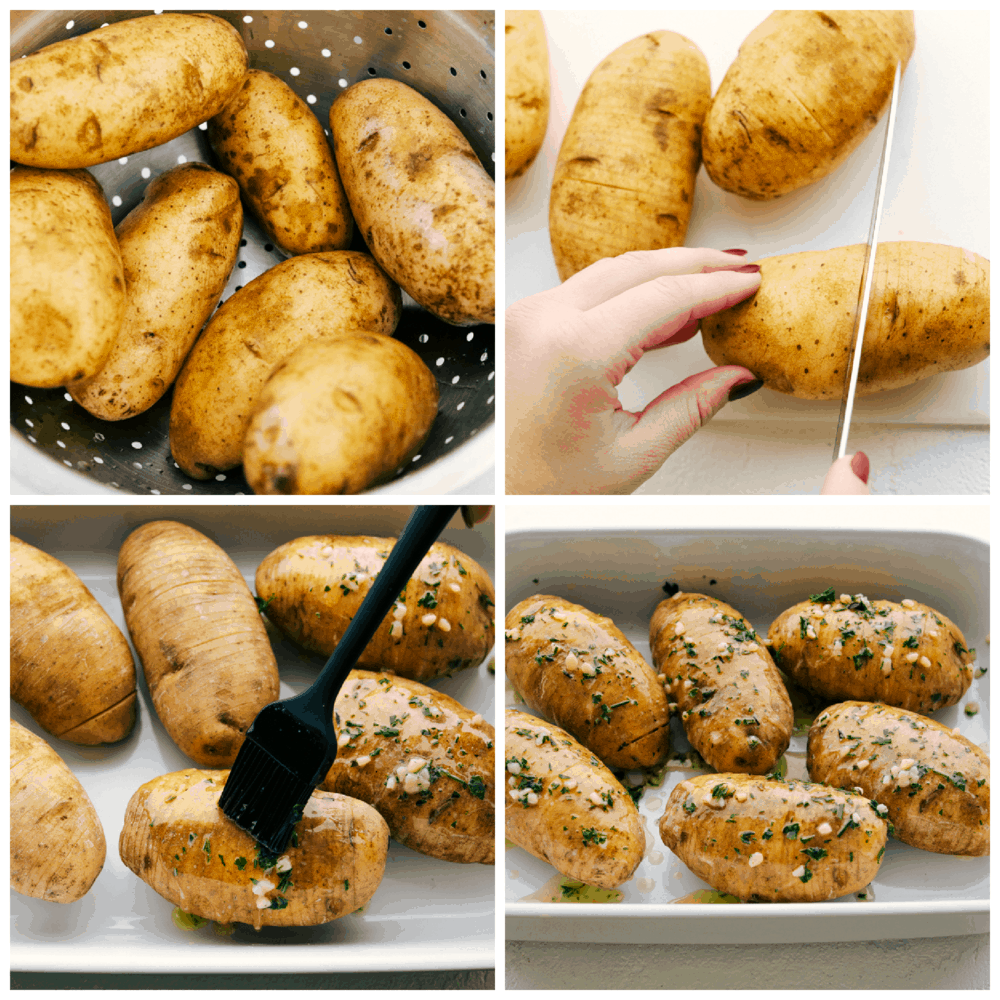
point(861, 313)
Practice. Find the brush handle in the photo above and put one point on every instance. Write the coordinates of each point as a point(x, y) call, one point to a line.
point(420, 533)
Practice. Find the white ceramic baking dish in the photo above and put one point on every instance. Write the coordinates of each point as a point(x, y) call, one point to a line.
point(761, 572)
point(426, 913)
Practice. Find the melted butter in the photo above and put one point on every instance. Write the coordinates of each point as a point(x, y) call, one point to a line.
point(655, 857)
point(707, 896)
point(562, 889)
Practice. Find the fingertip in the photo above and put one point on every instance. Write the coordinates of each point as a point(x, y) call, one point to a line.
point(843, 479)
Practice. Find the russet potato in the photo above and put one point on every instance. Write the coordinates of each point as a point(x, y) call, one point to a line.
point(178, 246)
point(627, 164)
point(805, 89)
point(270, 141)
point(929, 312)
point(338, 415)
point(67, 285)
point(420, 197)
point(122, 89)
point(306, 297)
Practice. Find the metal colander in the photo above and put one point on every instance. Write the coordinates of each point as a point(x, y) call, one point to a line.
point(448, 56)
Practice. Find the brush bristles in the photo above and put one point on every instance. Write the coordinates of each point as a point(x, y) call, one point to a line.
point(266, 799)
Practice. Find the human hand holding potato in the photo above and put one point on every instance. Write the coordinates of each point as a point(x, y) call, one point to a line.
point(569, 348)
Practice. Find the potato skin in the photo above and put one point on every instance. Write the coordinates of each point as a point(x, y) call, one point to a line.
point(627, 165)
point(929, 313)
point(70, 666)
point(338, 415)
point(67, 287)
point(315, 585)
point(734, 706)
point(178, 246)
point(771, 818)
point(928, 674)
point(452, 818)
point(122, 88)
point(204, 649)
point(421, 199)
point(557, 659)
point(255, 329)
point(946, 809)
point(57, 846)
point(177, 840)
point(805, 89)
point(526, 89)
point(601, 843)
point(271, 142)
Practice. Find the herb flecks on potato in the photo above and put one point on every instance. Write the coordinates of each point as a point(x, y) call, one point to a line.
point(929, 781)
point(734, 707)
point(575, 667)
point(565, 807)
point(768, 840)
point(849, 647)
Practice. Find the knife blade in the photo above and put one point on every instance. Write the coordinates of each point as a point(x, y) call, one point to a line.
point(861, 313)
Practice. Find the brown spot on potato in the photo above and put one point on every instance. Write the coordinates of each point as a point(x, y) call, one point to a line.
point(89, 134)
point(25, 83)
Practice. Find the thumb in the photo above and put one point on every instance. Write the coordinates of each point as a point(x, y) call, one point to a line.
point(670, 419)
point(847, 476)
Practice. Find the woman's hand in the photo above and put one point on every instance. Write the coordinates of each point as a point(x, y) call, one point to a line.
point(570, 347)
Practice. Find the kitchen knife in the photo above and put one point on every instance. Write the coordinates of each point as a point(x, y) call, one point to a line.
point(861, 313)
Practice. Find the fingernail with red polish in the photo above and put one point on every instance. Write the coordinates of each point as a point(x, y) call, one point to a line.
point(747, 269)
point(744, 389)
point(860, 466)
point(739, 253)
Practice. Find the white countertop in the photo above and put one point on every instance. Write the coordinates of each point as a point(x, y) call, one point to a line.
point(931, 438)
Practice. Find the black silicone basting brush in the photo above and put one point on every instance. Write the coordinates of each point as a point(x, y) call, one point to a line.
point(291, 745)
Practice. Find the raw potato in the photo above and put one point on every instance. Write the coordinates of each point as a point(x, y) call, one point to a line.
point(421, 199)
point(57, 844)
point(575, 667)
point(338, 415)
point(314, 295)
point(806, 88)
point(314, 586)
point(764, 840)
point(627, 165)
point(67, 288)
point(526, 89)
point(204, 649)
point(931, 783)
point(122, 88)
point(907, 655)
point(177, 840)
point(70, 665)
point(423, 760)
point(565, 807)
point(734, 706)
point(929, 312)
point(271, 142)
point(178, 246)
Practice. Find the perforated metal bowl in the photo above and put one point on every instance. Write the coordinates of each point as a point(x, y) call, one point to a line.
point(448, 56)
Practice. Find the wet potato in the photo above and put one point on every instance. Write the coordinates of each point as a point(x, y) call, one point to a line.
point(765, 840)
point(734, 706)
point(313, 587)
point(423, 760)
point(564, 806)
point(575, 667)
point(930, 782)
point(177, 840)
point(850, 648)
